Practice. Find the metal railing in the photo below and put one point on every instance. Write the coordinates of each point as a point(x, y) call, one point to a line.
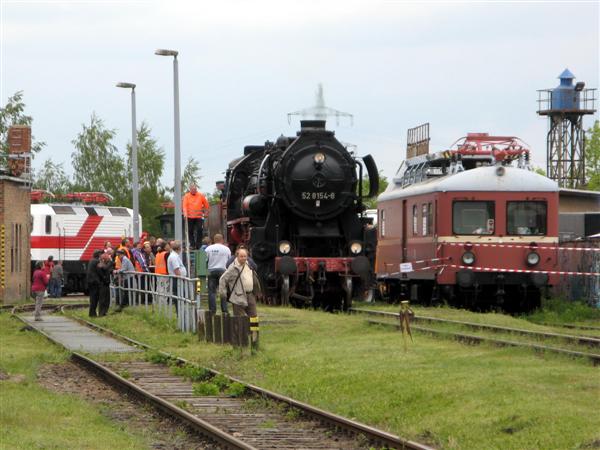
point(165, 295)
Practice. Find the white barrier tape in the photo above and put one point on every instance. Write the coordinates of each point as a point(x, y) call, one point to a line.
point(538, 247)
point(496, 269)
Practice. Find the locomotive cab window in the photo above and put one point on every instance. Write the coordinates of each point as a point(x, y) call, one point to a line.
point(473, 217)
point(526, 218)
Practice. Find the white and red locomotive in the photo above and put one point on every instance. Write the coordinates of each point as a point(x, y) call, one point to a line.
point(70, 232)
point(473, 223)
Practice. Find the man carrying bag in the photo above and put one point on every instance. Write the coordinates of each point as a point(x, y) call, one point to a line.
point(240, 286)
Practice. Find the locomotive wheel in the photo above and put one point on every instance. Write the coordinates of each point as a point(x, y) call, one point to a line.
point(285, 290)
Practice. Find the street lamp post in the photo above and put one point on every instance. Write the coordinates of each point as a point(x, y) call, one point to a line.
point(177, 192)
point(134, 163)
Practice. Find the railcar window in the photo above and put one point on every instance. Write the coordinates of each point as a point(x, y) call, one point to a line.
point(526, 218)
point(48, 224)
point(415, 221)
point(61, 209)
point(383, 223)
point(119, 212)
point(473, 217)
point(424, 220)
point(429, 219)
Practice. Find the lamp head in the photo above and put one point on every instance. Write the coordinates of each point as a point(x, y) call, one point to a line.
point(164, 52)
point(126, 85)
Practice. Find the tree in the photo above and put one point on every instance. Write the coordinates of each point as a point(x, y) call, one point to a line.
point(371, 203)
point(592, 157)
point(96, 162)
point(13, 114)
point(151, 158)
point(151, 163)
point(52, 177)
point(191, 174)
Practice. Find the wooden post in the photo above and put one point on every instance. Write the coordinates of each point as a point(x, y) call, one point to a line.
point(201, 327)
point(226, 329)
point(254, 333)
point(218, 327)
point(209, 326)
point(244, 331)
point(235, 331)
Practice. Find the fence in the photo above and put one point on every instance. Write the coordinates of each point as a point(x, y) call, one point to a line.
point(163, 294)
point(587, 288)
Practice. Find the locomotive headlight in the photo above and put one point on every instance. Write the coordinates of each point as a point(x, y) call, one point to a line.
point(355, 248)
point(285, 247)
point(533, 259)
point(319, 158)
point(468, 258)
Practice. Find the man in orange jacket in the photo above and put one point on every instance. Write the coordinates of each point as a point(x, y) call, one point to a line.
point(195, 209)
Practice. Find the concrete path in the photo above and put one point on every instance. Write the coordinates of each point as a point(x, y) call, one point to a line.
point(77, 337)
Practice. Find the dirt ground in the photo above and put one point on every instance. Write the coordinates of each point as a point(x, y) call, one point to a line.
point(162, 432)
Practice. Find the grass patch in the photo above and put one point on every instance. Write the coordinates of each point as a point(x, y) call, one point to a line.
point(235, 390)
point(33, 417)
point(439, 391)
point(558, 311)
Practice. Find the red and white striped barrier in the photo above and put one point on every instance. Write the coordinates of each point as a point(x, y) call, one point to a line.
point(537, 247)
point(496, 269)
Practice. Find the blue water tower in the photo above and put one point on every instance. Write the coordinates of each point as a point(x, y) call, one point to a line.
point(565, 106)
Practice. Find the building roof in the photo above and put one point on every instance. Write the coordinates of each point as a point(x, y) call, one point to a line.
point(478, 179)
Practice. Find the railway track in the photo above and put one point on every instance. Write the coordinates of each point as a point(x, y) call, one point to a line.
point(588, 342)
point(254, 419)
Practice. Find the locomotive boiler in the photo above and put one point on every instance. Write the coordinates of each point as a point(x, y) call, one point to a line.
point(297, 204)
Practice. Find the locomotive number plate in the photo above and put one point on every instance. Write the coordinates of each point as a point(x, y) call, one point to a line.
point(318, 195)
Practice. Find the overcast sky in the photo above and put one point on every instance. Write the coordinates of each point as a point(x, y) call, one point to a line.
point(462, 66)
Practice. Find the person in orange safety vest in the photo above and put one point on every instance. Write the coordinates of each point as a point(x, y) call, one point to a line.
point(195, 209)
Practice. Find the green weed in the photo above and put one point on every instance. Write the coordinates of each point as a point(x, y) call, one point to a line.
point(221, 381)
point(205, 388)
point(124, 373)
point(235, 389)
point(157, 357)
point(191, 372)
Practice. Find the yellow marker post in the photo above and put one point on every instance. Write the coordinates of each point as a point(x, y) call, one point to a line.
point(405, 315)
point(254, 333)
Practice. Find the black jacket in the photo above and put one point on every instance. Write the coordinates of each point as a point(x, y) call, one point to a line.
point(92, 278)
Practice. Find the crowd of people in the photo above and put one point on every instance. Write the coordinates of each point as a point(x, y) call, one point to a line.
point(232, 277)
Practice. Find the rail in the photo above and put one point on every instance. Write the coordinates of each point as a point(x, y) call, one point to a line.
point(164, 295)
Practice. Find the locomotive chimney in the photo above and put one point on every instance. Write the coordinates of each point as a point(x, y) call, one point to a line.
point(312, 125)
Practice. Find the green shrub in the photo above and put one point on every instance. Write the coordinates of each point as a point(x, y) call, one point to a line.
point(191, 372)
point(235, 389)
point(157, 357)
point(221, 381)
point(205, 388)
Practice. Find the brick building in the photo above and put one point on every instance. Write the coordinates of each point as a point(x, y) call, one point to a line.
point(15, 228)
point(15, 217)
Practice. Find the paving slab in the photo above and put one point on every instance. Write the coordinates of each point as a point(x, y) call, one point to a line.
point(77, 337)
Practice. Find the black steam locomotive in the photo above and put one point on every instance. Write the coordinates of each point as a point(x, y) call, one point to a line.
point(297, 204)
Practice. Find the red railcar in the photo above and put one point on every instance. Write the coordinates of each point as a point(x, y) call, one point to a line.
point(474, 223)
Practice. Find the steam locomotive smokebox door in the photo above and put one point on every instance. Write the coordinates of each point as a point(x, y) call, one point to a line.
point(316, 176)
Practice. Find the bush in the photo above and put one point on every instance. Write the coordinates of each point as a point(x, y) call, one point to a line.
point(205, 388)
point(191, 372)
point(235, 390)
point(157, 357)
point(221, 381)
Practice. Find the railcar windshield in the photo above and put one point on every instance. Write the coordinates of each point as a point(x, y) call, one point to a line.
point(473, 217)
point(526, 218)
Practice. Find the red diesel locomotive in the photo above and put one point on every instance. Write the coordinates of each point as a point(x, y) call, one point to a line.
point(473, 225)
